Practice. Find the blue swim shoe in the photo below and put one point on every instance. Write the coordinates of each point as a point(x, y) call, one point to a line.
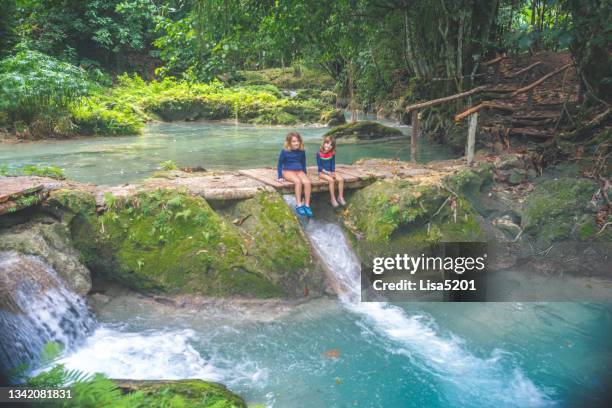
point(300, 210)
point(308, 211)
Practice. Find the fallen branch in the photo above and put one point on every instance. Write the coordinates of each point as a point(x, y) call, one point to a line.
point(433, 102)
point(595, 122)
point(480, 106)
point(495, 60)
point(521, 71)
point(539, 134)
point(539, 81)
point(603, 228)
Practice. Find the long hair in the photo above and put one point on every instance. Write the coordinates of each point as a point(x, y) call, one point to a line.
point(332, 142)
point(290, 136)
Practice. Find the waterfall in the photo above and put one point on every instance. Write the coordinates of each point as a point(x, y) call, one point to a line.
point(36, 308)
point(488, 381)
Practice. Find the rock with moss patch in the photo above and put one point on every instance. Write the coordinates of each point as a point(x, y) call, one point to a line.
point(67, 203)
point(171, 242)
point(190, 108)
point(364, 130)
point(278, 243)
point(399, 216)
point(182, 393)
point(550, 211)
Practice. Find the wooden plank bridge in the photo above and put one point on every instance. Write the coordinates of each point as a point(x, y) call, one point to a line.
point(216, 186)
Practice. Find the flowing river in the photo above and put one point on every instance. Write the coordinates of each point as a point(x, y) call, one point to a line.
point(214, 146)
point(338, 353)
point(327, 352)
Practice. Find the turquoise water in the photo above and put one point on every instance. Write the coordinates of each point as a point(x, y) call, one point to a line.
point(117, 160)
point(385, 355)
point(404, 355)
point(555, 354)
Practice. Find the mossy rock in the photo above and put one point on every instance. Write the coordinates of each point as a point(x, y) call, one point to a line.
point(171, 242)
point(278, 242)
point(182, 393)
point(67, 203)
point(334, 117)
point(395, 216)
point(175, 109)
point(551, 211)
point(275, 118)
point(364, 130)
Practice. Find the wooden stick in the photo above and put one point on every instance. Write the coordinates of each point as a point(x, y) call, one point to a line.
point(539, 81)
point(520, 71)
point(433, 102)
point(487, 104)
point(495, 60)
point(471, 142)
point(413, 138)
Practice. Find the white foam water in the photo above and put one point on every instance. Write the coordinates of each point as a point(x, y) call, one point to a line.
point(156, 354)
point(469, 378)
point(47, 312)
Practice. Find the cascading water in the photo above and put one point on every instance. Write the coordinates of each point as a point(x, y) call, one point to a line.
point(37, 309)
point(488, 381)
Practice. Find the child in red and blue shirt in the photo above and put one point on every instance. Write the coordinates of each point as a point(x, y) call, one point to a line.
point(326, 163)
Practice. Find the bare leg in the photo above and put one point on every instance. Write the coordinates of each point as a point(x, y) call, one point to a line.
point(293, 176)
point(307, 187)
point(340, 180)
point(330, 182)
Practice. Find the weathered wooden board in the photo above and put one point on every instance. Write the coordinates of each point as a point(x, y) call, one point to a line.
point(14, 187)
point(269, 177)
point(222, 186)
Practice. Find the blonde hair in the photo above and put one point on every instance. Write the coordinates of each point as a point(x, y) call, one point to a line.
point(331, 140)
point(290, 136)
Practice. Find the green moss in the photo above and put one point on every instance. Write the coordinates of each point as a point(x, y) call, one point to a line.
point(364, 130)
point(277, 242)
point(277, 237)
point(551, 210)
point(182, 393)
point(587, 229)
point(76, 201)
point(396, 215)
point(172, 242)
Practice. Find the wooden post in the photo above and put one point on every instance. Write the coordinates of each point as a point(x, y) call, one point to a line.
point(471, 142)
point(413, 138)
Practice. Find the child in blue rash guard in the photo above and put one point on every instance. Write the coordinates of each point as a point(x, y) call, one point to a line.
point(326, 163)
point(292, 167)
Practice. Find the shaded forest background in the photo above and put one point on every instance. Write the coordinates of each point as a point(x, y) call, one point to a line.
point(376, 51)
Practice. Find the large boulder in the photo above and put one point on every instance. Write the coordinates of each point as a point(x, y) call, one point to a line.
point(562, 208)
point(278, 243)
point(399, 216)
point(364, 130)
point(168, 241)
